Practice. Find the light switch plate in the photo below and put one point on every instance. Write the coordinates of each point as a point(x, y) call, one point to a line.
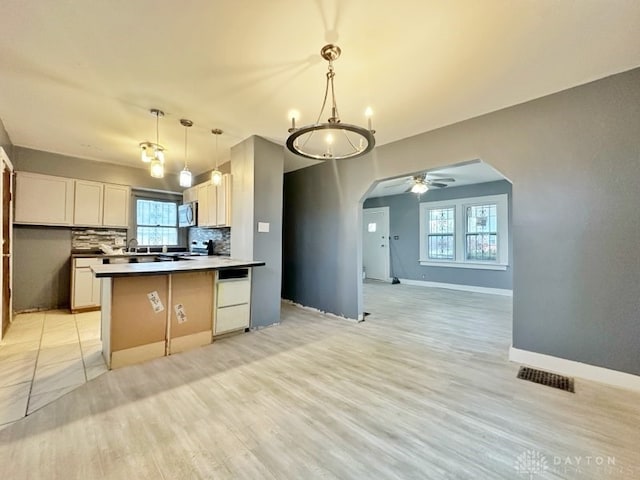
point(119, 241)
point(263, 227)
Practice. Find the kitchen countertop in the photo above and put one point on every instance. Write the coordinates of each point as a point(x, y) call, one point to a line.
point(192, 264)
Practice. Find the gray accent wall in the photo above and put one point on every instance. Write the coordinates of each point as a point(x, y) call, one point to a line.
point(257, 169)
point(574, 162)
point(404, 222)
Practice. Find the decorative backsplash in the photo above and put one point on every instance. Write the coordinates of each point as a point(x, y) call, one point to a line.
point(221, 239)
point(90, 238)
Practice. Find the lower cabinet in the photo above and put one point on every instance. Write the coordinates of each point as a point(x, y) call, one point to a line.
point(232, 300)
point(85, 288)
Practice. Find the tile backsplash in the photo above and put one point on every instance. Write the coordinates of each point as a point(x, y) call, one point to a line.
point(90, 238)
point(221, 239)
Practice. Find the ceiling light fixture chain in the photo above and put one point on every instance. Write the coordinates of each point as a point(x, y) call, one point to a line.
point(340, 140)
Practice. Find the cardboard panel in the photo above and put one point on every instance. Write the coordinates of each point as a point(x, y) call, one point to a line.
point(133, 319)
point(194, 291)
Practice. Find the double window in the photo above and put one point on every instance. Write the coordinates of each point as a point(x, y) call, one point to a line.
point(156, 222)
point(466, 232)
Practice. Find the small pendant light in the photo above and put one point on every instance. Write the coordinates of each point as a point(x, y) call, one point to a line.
point(157, 163)
point(185, 174)
point(216, 175)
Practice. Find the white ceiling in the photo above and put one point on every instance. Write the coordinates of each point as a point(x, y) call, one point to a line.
point(467, 173)
point(78, 77)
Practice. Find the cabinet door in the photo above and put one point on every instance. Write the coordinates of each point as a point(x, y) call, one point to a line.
point(43, 199)
point(83, 291)
point(87, 204)
point(212, 200)
point(190, 195)
point(116, 205)
point(223, 202)
point(203, 204)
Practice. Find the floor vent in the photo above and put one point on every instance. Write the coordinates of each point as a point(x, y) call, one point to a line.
point(546, 378)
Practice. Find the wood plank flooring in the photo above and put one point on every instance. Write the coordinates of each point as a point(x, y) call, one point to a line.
point(422, 389)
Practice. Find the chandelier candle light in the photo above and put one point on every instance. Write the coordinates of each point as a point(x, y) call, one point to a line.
point(185, 174)
point(216, 175)
point(333, 139)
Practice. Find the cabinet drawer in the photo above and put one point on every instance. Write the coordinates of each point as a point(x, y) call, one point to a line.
point(87, 262)
point(233, 292)
point(232, 318)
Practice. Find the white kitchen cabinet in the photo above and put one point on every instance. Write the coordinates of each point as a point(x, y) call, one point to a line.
point(204, 194)
point(85, 287)
point(232, 301)
point(116, 205)
point(87, 203)
point(214, 203)
point(223, 202)
point(190, 195)
point(43, 199)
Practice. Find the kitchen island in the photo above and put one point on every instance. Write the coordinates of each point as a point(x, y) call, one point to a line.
point(154, 309)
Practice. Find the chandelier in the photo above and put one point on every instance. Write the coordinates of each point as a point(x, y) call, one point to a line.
point(333, 139)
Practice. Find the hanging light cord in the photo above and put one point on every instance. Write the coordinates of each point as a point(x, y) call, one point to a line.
point(185, 146)
point(217, 135)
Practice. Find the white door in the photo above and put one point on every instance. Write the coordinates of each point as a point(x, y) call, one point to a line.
point(375, 244)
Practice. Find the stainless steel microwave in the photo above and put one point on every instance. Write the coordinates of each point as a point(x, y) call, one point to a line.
point(188, 215)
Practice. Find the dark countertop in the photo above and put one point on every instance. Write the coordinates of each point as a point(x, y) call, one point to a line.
point(190, 264)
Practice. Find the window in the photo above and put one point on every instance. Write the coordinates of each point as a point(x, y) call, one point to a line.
point(440, 240)
point(156, 222)
point(465, 232)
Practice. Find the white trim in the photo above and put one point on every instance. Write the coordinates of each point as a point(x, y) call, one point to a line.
point(454, 286)
point(475, 266)
point(575, 369)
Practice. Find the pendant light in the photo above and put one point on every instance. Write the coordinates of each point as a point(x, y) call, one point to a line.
point(185, 174)
point(157, 162)
point(216, 175)
point(333, 139)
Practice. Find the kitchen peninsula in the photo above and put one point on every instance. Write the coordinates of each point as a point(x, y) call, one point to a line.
point(154, 309)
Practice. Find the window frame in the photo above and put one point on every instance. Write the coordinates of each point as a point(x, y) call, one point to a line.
point(136, 224)
point(460, 232)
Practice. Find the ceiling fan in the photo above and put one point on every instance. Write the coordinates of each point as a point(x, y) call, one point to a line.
point(421, 183)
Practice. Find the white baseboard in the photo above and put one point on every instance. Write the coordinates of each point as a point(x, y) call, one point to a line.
point(455, 286)
point(572, 368)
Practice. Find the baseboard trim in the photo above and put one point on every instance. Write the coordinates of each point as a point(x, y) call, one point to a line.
point(454, 286)
point(572, 368)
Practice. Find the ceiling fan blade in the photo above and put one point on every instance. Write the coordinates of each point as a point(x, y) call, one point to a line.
point(444, 179)
point(408, 189)
point(397, 184)
point(437, 184)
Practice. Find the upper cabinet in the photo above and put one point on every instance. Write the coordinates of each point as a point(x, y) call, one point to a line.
point(214, 203)
point(190, 195)
point(43, 199)
point(116, 205)
point(48, 200)
point(87, 204)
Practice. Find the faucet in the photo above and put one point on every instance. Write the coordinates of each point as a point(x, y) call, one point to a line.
point(133, 248)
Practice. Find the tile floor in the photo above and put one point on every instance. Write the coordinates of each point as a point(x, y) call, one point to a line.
point(45, 355)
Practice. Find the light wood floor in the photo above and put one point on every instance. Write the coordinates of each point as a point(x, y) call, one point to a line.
point(421, 389)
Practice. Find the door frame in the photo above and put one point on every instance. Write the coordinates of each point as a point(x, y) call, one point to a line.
point(387, 266)
point(7, 166)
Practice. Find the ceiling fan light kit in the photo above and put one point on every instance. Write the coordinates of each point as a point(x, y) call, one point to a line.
point(332, 139)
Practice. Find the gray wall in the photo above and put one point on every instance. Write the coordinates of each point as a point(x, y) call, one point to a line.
point(257, 169)
point(41, 254)
point(404, 221)
point(574, 161)
point(41, 268)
